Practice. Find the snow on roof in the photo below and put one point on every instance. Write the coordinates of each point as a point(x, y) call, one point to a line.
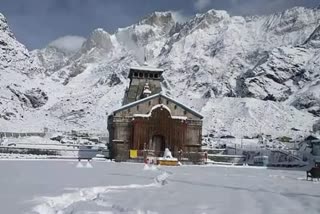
point(135, 103)
point(146, 68)
point(149, 115)
point(159, 95)
point(153, 108)
point(161, 106)
point(179, 117)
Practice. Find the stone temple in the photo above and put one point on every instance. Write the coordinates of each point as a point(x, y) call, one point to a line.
point(150, 120)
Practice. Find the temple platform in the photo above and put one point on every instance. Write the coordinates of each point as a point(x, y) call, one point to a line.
point(167, 161)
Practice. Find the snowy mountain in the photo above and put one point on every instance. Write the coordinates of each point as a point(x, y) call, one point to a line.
point(246, 75)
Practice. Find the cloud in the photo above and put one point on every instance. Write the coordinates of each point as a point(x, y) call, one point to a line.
point(68, 44)
point(200, 5)
point(179, 17)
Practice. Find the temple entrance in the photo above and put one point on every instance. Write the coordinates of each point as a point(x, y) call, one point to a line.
point(158, 131)
point(158, 145)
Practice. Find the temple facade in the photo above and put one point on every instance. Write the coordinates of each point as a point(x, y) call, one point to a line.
point(150, 120)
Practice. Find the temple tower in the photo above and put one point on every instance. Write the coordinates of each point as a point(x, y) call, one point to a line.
point(144, 81)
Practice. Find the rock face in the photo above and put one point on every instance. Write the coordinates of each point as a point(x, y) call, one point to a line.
point(34, 97)
point(234, 70)
point(316, 127)
point(37, 97)
point(281, 73)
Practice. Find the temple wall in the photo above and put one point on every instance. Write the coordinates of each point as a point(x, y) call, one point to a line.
point(132, 127)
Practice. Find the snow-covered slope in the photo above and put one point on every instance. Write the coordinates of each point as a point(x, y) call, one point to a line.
point(19, 78)
point(241, 116)
point(245, 74)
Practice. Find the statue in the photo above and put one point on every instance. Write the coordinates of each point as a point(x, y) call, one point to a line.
point(146, 90)
point(167, 154)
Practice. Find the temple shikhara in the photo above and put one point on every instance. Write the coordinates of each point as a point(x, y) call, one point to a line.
point(151, 121)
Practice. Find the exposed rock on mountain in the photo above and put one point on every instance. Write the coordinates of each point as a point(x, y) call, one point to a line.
point(34, 97)
point(278, 76)
point(247, 75)
point(314, 39)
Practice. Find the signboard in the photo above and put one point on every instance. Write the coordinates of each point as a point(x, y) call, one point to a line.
point(133, 153)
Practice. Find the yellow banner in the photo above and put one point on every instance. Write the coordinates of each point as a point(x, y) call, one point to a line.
point(133, 153)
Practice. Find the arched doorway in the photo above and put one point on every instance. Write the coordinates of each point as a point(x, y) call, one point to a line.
point(157, 144)
point(158, 130)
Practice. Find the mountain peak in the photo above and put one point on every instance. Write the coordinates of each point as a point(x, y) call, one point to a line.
point(99, 38)
point(295, 11)
point(3, 23)
point(213, 13)
point(205, 20)
point(158, 18)
point(217, 12)
point(2, 17)
point(99, 31)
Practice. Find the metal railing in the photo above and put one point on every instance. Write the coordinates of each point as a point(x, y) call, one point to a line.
point(21, 134)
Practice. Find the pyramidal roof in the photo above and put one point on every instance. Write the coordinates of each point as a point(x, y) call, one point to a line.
point(158, 95)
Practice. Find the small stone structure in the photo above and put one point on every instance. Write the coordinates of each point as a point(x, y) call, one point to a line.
point(150, 120)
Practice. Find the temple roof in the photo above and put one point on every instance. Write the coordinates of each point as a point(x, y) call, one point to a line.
point(159, 95)
point(146, 68)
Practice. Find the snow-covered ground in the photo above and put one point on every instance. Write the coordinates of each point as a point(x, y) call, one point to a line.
point(63, 187)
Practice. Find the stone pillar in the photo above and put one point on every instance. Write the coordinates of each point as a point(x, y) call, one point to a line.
point(120, 150)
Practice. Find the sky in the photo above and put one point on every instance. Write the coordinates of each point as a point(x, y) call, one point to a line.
point(36, 23)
